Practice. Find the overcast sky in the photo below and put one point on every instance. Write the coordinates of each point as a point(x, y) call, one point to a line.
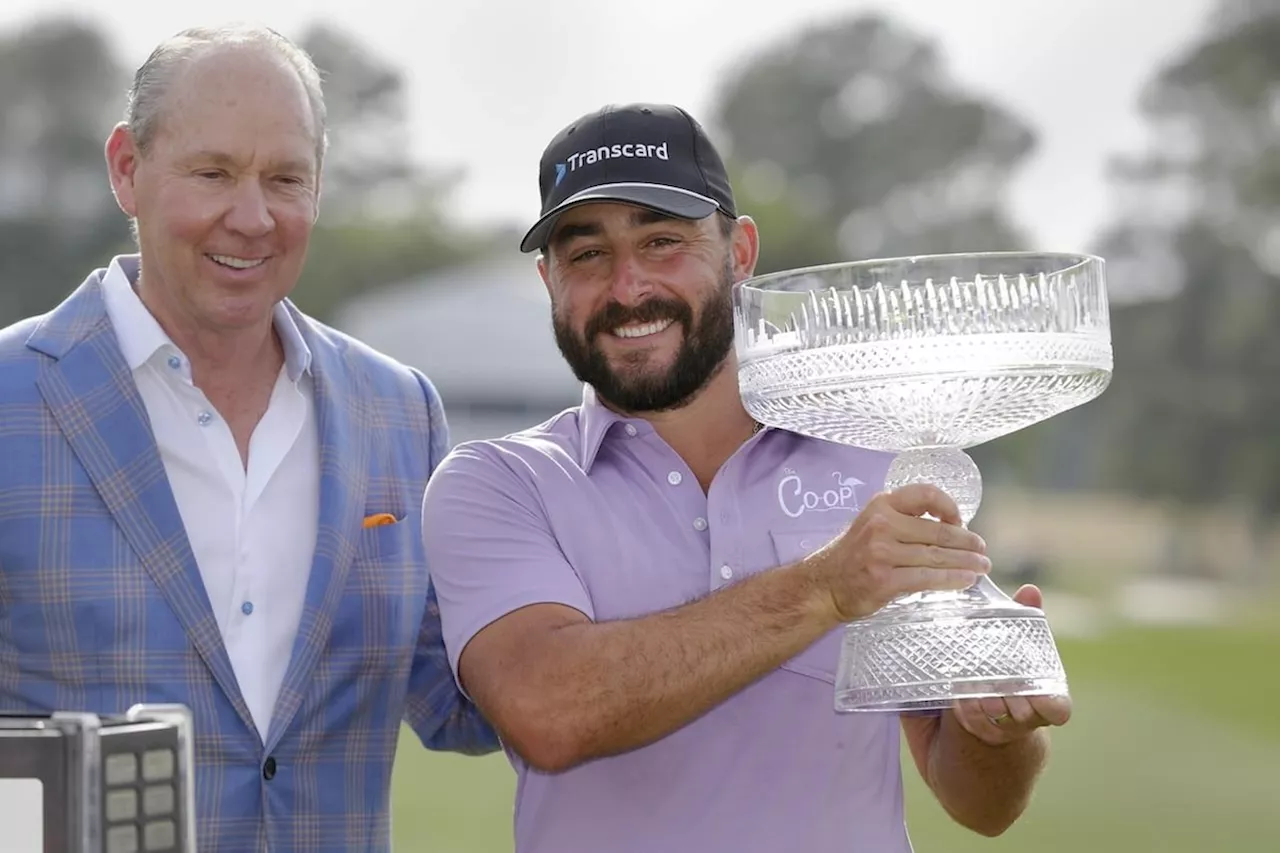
point(492, 80)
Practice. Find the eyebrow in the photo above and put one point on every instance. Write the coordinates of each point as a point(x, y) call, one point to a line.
point(219, 158)
point(639, 217)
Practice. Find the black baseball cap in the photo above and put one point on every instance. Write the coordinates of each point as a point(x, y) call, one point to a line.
point(651, 155)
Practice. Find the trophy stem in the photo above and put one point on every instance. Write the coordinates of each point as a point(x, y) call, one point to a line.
point(949, 468)
point(955, 473)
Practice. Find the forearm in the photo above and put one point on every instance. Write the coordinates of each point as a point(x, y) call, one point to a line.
point(983, 787)
point(606, 688)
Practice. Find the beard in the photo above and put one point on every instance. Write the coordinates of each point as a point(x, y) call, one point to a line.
point(632, 388)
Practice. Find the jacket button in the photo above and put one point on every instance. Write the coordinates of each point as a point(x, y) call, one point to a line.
point(269, 768)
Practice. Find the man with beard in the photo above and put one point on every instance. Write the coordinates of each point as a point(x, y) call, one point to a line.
point(642, 593)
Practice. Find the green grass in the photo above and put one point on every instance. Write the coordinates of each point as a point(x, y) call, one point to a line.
point(1174, 747)
point(445, 803)
point(1216, 673)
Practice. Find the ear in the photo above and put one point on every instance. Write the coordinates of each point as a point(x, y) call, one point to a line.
point(744, 247)
point(122, 162)
point(315, 200)
point(544, 273)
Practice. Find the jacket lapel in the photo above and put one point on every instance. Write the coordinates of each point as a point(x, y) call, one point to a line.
point(344, 454)
point(91, 393)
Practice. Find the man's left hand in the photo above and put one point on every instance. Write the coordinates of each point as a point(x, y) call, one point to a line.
point(1005, 720)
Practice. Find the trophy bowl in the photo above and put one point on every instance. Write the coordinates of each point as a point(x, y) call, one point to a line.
point(924, 357)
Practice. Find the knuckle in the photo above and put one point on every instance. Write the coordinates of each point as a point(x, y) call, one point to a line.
point(877, 525)
point(879, 553)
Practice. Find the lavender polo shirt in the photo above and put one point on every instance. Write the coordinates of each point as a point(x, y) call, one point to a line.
point(595, 511)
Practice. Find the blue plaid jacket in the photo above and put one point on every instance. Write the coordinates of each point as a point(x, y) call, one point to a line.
point(102, 605)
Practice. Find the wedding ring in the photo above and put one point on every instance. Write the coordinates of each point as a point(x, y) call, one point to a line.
point(995, 721)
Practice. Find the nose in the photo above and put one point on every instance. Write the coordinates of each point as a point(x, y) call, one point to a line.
point(250, 214)
point(630, 285)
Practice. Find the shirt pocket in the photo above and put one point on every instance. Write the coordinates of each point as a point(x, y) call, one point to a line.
point(820, 659)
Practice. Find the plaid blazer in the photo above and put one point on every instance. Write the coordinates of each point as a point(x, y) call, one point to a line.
point(102, 605)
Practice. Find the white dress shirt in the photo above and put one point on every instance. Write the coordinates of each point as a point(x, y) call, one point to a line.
point(252, 528)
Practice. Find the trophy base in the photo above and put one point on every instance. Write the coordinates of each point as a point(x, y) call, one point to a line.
point(923, 652)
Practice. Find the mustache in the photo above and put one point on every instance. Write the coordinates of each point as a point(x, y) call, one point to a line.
point(616, 314)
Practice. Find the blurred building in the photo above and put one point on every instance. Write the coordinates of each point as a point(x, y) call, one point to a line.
point(482, 334)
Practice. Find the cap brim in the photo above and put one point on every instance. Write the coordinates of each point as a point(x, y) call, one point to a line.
point(673, 201)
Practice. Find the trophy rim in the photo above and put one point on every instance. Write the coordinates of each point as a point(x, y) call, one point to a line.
point(759, 282)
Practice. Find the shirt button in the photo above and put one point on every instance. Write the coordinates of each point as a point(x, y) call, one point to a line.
point(269, 768)
point(726, 572)
point(630, 430)
point(175, 362)
point(674, 478)
point(699, 524)
point(246, 608)
point(204, 418)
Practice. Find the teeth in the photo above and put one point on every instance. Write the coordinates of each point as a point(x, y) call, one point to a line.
point(238, 263)
point(642, 331)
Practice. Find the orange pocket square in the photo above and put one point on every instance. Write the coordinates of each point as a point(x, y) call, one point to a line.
point(379, 519)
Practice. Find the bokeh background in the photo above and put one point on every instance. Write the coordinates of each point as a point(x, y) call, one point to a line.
point(1146, 131)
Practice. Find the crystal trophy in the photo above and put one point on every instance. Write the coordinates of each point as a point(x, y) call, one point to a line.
point(925, 357)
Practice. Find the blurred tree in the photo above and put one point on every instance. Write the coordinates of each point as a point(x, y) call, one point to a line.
point(382, 214)
point(61, 90)
point(1194, 409)
point(847, 140)
point(370, 173)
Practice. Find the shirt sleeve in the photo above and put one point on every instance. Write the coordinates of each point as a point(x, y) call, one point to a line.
point(490, 548)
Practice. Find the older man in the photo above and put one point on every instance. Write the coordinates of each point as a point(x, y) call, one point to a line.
point(623, 592)
point(210, 498)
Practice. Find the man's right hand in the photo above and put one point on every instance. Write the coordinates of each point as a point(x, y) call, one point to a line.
point(890, 551)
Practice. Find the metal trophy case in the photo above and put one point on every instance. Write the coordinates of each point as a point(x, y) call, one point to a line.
point(82, 783)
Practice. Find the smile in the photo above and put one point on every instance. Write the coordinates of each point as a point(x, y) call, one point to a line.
point(237, 263)
point(642, 331)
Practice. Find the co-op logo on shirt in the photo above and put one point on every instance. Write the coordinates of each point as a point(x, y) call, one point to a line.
point(839, 493)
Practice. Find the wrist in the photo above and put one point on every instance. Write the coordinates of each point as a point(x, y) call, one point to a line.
point(818, 601)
